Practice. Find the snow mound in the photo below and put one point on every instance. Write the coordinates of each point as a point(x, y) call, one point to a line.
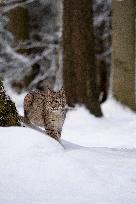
point(35, 169)
point(21, 142)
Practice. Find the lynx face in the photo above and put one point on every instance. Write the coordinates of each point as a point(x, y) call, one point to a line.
point(56, 100)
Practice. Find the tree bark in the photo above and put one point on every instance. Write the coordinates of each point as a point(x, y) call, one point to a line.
point(79, 70)
point(18, 23)
point(8, 112)
point(123, 55)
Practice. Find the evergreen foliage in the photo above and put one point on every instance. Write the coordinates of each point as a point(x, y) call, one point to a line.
point(8, 112)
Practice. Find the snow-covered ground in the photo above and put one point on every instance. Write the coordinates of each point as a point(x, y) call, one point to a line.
point(96, 166)
point(117, 129)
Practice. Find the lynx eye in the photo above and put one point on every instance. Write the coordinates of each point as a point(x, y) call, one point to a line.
point(49, 103)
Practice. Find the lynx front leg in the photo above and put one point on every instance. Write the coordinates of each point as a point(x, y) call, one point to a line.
point(26, 118)
point(53, 133)
point(27, 107)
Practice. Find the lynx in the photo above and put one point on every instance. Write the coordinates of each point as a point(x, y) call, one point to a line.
point(46, 109)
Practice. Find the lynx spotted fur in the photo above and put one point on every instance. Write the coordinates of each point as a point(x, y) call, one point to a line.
point(46, 109)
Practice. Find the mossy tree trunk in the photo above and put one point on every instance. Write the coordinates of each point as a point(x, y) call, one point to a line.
point(123, 55)
point(8, 112)
point(79, 70)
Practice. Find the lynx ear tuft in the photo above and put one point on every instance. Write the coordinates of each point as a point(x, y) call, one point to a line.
point(48, 90)
point(51, 90)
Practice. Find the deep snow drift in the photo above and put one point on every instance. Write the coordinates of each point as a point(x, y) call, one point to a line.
point(97, 165)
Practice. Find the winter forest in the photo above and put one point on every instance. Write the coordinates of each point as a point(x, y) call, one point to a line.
point(67, 101)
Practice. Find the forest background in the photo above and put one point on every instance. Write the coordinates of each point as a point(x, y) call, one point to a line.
point(86, 46)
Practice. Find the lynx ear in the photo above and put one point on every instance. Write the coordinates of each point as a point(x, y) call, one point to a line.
point(61, 90)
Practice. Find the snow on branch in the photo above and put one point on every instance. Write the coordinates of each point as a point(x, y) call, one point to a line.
point(8, 5)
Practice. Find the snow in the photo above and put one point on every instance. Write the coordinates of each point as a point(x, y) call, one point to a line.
point(117, 129)
point(97, 164)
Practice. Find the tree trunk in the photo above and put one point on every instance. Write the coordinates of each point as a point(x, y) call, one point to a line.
point(79, 70)
point(123, 56)
point(8, 112)
point(18, 23)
